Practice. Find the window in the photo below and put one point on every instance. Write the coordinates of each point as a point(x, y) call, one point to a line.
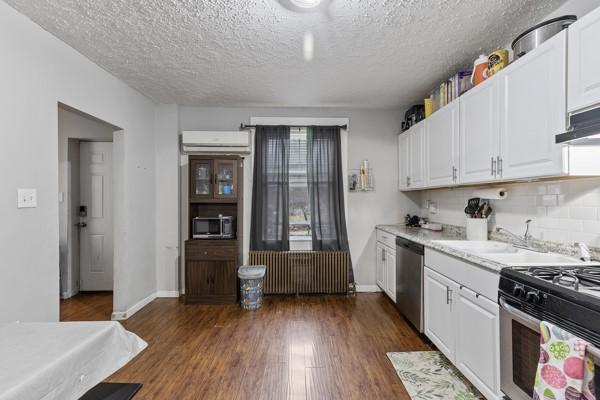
point(299, 199)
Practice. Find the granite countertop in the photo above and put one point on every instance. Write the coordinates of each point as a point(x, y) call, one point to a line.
point(427, 238)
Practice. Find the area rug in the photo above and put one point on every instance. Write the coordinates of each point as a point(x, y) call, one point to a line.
point(429, 375)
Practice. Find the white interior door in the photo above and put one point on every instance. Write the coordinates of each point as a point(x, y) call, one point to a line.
point(96, 228)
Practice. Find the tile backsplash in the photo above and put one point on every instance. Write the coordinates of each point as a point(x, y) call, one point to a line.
point(565, 211)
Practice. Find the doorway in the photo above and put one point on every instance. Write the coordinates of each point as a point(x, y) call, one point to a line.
point(95, 217)
point(85, 216)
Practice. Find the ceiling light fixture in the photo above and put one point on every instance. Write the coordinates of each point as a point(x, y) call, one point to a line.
point(306, 3)
point(306, 6)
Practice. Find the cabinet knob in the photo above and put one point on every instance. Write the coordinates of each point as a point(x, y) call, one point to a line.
point(206, 253)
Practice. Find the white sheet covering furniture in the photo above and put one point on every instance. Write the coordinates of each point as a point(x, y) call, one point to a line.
point(61, 360)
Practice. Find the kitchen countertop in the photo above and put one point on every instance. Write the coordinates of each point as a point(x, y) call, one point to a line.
point(427, 238)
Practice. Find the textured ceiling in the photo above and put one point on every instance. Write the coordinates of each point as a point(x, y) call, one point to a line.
point(368, 53)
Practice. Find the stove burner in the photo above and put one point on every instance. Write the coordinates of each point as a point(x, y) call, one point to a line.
point(576, 278)
point(590, 275)
point(568, 279)
point(546, 273)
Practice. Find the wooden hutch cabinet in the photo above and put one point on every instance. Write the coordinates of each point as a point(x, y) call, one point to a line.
point(211, 271)
point(213, 180)
point(211, 264)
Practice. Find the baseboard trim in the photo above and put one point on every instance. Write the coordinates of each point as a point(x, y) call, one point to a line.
point(167, 293)
point(368, 288)
point(123, 315)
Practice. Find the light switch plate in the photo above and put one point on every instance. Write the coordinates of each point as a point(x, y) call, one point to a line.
point(26, 198)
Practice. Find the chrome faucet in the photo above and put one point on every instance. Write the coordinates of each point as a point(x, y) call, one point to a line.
point(525, 242)
point(527, 236)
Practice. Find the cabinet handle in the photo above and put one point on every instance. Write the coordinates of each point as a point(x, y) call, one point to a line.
point(448, 295)
point(408, 181)
point(499, 166)
point(454, 174)
point(493, 167)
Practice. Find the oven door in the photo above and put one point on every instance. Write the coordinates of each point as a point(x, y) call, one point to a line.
point(519, 351)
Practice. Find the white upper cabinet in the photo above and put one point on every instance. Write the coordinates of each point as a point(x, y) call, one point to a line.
point(533, 111)
point(411, 162)
point(479, 132)
point(584, 62)
point(403, 151)
point(506, 127)
point(416, 157)
point(441, 146)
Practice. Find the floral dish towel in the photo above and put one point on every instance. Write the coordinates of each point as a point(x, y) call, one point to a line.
point(565, 371)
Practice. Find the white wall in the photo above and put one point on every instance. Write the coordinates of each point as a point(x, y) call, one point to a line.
point(167, 200)
point(72, 126)
point(39, 71)
point(372, 136)
point(562, 211)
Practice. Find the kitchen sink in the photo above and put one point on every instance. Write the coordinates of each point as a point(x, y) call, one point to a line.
point(479, 247)
point(528, 257)
point(506, 253)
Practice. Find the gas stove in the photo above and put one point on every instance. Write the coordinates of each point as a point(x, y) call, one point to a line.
point(580, 279)
point(568, 295)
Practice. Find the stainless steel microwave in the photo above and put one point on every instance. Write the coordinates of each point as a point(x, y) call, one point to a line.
point(220, 227)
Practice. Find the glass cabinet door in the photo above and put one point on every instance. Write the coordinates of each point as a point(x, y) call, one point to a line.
point(225, 178)
point(201, 179)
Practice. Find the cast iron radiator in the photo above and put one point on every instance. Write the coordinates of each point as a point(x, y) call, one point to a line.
point(303, 272)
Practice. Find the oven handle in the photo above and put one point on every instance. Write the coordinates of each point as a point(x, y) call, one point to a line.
point(504, 304)
point(591, 349)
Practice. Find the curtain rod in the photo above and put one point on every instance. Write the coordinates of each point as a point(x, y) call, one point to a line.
point(244, 126)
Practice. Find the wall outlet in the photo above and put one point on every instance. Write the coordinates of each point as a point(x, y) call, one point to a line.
point(433, 207)
point(26, 198)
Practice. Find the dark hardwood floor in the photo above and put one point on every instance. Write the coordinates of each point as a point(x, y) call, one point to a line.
point(292, 348)
point(87, 306)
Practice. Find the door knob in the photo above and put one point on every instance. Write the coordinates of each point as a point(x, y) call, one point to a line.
point(81, 225)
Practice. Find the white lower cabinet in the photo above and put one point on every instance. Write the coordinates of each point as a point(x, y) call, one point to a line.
point(380, 266)
point(439, 325)
point(477, 341)
point(462, 323)
point(385, 265)
point(390, 269)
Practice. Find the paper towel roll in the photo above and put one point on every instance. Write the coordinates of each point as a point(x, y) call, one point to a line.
point(492, 193)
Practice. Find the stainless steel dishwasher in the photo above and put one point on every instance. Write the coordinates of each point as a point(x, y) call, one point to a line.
point(409, 281)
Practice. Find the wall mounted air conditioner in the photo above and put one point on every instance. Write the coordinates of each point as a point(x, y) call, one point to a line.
point(216, 142)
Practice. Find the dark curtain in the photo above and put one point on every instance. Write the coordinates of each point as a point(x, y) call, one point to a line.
point(326, 190)
point(270, 193)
